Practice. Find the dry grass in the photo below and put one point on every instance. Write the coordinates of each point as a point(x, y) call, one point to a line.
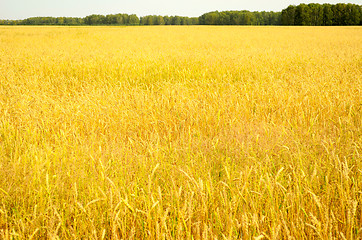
point(180, 132)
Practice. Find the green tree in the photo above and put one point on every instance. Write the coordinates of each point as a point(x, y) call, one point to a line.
point(338, 14)
point(212, 18)
point(352, 14)
point(316, 14)
point(167, 20)
point(195, 21)
point(327, 15)
point(224, 18)
point(95, 19)
point(133, 20)
point(288, 15)
point(302, 15)
point(176, 20)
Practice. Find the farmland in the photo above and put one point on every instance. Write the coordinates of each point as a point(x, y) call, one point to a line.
point(170, 132)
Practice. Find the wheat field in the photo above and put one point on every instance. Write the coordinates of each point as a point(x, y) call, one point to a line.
point(181, 132)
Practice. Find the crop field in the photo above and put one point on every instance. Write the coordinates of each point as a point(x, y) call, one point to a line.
point(181, 132)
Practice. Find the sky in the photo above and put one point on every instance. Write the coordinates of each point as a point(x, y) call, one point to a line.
point(21, 9)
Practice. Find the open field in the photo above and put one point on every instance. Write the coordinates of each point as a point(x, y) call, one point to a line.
point(180, 132)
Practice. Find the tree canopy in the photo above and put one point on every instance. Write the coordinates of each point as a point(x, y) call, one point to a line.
point(312, 14)
point(240, 18)
point(315, 14)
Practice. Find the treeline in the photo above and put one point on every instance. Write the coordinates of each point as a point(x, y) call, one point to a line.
point(240, 18)
point(322, 15)
point(312, 14)
point(45, 21)
point(94, 19)
point(111, 19)
point(168, 20)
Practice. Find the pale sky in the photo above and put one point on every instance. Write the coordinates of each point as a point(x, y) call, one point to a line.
point(20, 9)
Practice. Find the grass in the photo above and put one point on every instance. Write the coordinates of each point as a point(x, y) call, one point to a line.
point(180, 132)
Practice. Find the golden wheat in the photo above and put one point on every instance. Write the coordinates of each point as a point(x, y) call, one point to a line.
point(180, 132)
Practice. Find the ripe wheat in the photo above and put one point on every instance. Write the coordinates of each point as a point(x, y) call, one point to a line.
point(180, 132)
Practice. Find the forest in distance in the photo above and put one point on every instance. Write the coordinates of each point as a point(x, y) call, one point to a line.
point(312, 14)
